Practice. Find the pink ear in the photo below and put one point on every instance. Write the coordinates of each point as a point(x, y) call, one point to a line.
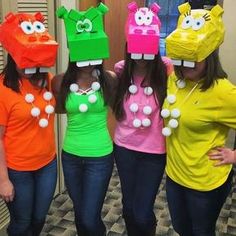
point(10, 17)
point(132, 7)
point(38, 16)
point(155, 8)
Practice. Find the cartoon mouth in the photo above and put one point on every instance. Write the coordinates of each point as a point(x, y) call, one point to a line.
point(87, 63)
point(33, 70)
point(139, 56)
point(190, 64)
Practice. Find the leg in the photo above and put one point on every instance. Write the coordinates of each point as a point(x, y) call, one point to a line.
point(150, 169)
point(45, 184)
point(126, 166)
point(177, 207)
point(22, 206)
point(73, 170)
point(96, 177)
point(208, 205)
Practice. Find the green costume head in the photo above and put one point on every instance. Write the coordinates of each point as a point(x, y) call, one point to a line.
point(87, 42)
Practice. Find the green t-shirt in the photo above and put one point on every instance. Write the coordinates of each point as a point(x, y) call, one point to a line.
point(87, 133)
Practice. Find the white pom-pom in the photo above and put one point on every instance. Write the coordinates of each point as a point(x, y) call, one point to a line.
point(171, 98)
point(92, 98)
point(49, 109)
point(147, 110)
point(165, 113)
point(133, 89)
point(43, 123)
point(83, 107)
point(146, 122)
point(74, 88)
point(166, 131)
point(96, 73)
point(95, 86)
point(29, 97)
point(148, 91)
point(137, 123)
point(47, 96)
point(181, 84)
point(173, 123)
point(35, 111)
point(175, 113)
point(133, 107)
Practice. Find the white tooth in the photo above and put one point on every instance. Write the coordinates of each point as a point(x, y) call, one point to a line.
point(95, 62)
point(176, 62)
point(82, 63)
point(44, 69)
point(190, 64)
point(136, 56)
point(148, 56)
point(30, 70)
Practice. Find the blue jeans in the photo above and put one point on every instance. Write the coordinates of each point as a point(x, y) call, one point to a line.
point(34, 192)
point(87, 181)
point(140, 175)
point(194, 213)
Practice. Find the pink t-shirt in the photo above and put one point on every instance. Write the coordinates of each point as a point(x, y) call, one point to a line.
point(143, 139)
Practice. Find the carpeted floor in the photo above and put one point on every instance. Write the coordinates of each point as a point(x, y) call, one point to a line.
point(60, 220)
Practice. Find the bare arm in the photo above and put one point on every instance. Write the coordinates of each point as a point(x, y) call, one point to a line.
point(6, 187)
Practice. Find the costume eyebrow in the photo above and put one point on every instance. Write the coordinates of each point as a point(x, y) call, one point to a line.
point(187, 13)
point(207, 17)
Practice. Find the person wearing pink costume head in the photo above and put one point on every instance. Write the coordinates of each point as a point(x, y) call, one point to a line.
point(139, 145)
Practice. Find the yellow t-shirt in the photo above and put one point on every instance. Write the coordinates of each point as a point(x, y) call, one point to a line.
point(203, 125)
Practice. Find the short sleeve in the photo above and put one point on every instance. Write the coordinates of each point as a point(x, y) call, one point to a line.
point(118, 68)
point(227, 112)
point(3, 107)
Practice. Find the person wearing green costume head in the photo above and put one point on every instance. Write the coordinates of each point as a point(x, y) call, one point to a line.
point(84, 92)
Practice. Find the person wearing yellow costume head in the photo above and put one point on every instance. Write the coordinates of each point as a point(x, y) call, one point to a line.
point(198, 112)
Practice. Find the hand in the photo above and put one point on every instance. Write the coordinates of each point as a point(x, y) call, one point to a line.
point(7, 192)
point(223, 156)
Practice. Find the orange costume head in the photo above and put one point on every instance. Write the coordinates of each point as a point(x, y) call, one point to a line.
point(26, 39)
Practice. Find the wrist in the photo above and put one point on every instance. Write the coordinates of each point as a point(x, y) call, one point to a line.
point(234, 153)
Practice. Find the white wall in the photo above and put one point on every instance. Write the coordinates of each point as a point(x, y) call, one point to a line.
point(228, 49)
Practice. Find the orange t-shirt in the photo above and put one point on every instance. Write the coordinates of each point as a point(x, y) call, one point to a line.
point(27, 146)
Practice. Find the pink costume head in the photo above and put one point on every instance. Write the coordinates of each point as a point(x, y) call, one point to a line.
point(143, 31)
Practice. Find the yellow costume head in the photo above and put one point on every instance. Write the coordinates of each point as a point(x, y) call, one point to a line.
point(199, 32)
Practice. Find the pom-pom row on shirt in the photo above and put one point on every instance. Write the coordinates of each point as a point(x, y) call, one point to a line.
point(175, 113)
point(134, 107)
point(35, 111)
point(92, 98)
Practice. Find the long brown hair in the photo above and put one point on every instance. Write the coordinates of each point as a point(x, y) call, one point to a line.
point(70, 77)
point(11, 77)
point(156, 78)
point(214, 71)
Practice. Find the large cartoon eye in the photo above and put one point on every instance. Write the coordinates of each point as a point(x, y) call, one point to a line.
point(39, 27)
point(149, 17)
point(80, 26)
point(139, 18)
point(187, 22)
point(27, 27)
point(88, 25)
point(198, 23)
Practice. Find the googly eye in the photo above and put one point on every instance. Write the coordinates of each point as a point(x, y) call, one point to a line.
point(187, 22)
point(80, 26)
point(198, 23)
point(148, 18)
point(39, 27)
point(88, 25)
point(139, 18)
point(27, 27)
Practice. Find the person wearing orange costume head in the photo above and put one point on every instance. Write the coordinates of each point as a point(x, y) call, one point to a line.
point(28, 169)
point(198, 112)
